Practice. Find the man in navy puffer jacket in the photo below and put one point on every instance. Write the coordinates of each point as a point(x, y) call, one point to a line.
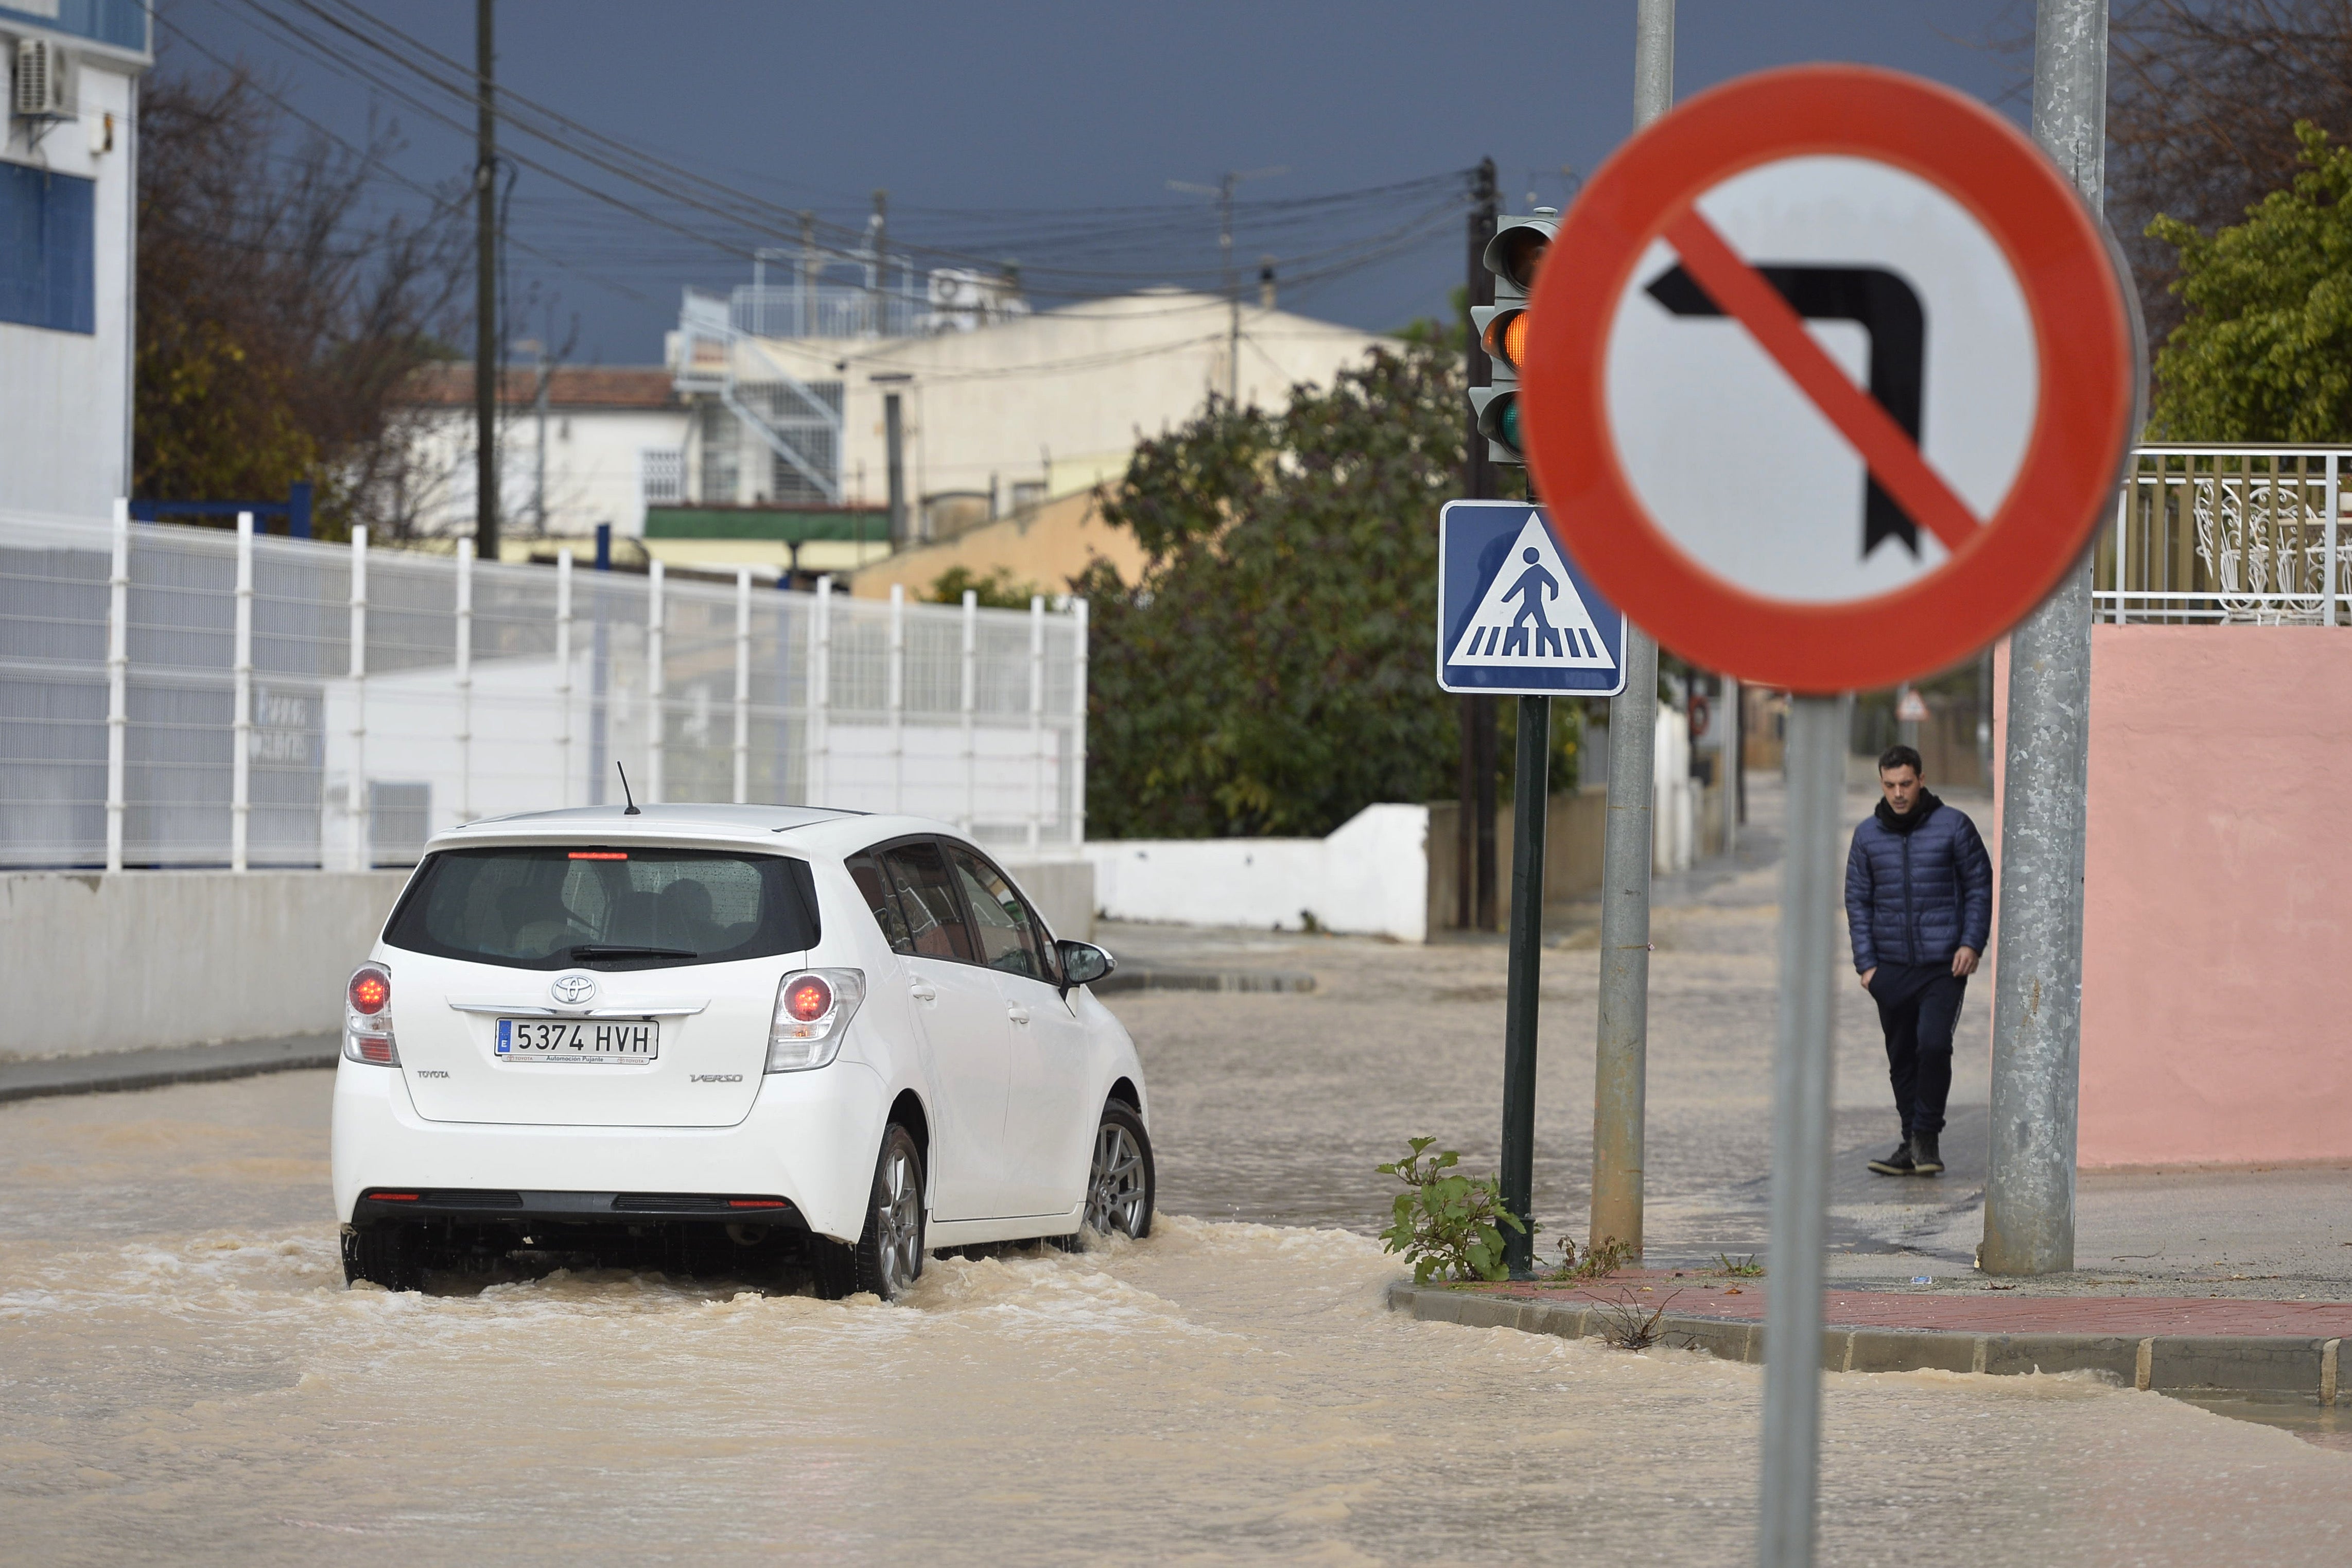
point(1918, 905)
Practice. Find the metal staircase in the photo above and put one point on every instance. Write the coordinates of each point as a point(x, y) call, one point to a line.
point(799, 423)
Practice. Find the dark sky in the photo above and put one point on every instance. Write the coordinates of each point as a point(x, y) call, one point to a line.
point(1044, 131)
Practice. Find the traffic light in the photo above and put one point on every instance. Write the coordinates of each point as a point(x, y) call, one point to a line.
point(1513, 256)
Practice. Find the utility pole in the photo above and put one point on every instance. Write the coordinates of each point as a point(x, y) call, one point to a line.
point(1223, 191)
point(1621, 1047)
point(486, 292)
point(1232, 289)
point(537, 349)
point(807, 328)
point(2037, 1008)
point(877, 228)
point(1475, 824)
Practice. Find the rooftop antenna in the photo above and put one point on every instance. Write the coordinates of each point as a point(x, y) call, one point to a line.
point(632, 810)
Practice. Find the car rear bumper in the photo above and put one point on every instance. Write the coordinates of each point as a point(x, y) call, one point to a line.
point(488, 1205)
point(809, 1140)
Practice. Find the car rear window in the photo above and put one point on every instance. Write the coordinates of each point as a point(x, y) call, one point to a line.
point(605, 906)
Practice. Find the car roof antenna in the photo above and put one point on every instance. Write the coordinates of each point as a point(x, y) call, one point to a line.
point(632, 810)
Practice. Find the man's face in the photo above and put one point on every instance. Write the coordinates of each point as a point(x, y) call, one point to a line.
point(1902, 788)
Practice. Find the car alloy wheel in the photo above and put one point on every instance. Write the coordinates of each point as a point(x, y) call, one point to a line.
point(898, 1220)
point(887, 1255)
point(1119, 1183)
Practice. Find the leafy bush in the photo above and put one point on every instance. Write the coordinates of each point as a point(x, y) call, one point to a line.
point(1446, 1224)
point(997, 590)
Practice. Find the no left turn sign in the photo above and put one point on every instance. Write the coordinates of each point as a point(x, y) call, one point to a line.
point(1829, 376)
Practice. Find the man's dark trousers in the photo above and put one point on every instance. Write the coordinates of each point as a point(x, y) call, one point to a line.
point(1918, 1006)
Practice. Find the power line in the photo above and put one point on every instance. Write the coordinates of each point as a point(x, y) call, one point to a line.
point(372, 162)
point(1141, 227)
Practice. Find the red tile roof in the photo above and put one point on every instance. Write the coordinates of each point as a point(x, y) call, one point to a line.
point(451, 385)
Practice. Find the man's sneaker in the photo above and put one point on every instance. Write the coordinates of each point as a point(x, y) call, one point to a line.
point(1925, 1159)
point(1898, 1163)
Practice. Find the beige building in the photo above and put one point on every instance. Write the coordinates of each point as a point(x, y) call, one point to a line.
point(1043, 547)
point(994, 418)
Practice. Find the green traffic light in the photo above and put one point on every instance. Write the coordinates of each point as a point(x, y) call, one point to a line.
point(1509, 424)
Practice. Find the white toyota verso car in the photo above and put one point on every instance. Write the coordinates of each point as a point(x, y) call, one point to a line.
point(725, 1039)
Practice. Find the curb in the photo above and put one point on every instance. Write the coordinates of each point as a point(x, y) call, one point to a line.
point(1201, 980)
point(105, 1073)
point(108, 1072)
point(2204, 1364)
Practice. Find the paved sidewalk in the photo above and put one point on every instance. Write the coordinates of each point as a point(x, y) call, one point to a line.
point(1975, 1311)
point(2261, 1350)
point(102, 1071)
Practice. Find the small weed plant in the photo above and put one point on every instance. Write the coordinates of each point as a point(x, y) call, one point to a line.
point(1738, 1268)
point(1630, 1328)
point(1593, 1263)
point(1448, 1226)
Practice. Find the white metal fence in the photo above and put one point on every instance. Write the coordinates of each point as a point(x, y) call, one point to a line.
point(183, 697)
point(2215, 534)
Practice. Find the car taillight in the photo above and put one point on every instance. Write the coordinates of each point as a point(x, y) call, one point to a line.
point(808, 998)
point(367, 1018)
point(813, 1011)
point(371, 991)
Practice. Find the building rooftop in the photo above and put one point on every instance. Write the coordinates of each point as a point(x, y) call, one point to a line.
point(450, 384)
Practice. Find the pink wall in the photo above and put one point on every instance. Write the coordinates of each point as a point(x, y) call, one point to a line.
point(2217, 941)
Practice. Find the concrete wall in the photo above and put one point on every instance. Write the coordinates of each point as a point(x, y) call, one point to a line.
point(2218, 896)
point(1061, 890)
point(93, 963)
point(1370, 877)
point(1573, 829)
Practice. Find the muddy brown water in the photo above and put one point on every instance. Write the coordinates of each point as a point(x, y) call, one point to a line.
point(185, 1378)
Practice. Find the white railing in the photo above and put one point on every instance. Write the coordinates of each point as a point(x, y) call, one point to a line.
point(829, 310)
point(181, 697)
point(2251, 535)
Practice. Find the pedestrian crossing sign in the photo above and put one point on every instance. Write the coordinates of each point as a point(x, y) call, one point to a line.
point(1515, 616)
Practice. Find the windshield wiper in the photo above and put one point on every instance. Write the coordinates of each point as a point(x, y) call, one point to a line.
point(615, 949)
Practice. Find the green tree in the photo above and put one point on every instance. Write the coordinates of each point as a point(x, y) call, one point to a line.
point(2265, 351)
point(1271, 670)
point(278, 314)
point(997, 589)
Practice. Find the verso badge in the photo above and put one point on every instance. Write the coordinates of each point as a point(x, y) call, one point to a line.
point(573, 990)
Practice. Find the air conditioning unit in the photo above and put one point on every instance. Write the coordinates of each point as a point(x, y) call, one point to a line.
point(40, 79)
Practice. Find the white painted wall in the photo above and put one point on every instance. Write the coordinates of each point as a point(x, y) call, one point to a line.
point(65, 397)
point(1673, 817)
point(1370, 877)
point(592, 472)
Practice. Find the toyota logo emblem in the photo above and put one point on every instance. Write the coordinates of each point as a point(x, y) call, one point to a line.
point(573, 990)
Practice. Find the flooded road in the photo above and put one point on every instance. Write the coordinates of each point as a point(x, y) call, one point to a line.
point(183, 1377)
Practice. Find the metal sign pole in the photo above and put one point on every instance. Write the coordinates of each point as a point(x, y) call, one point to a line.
point(1800, 1132)
point(1620, 1055)
point(1530, 799)
point(2037, 1009)
point(1491, 554)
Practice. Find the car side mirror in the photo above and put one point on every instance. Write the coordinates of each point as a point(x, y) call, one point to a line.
point(1083, 963)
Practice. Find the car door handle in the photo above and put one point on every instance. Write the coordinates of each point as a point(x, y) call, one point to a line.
point(923, 992)
point(1018, 1014)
